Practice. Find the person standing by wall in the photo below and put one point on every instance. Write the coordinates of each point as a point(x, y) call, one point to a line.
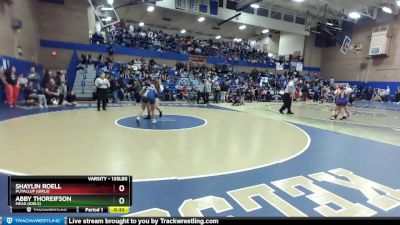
point(12, 87)
point(200, 92)
point(217, 96)
point(290, 91)
point(113, 89)
point(398, 95)
point(102, 85)
point(2, 85)
point(224, 90)
point(61, 82)
point(207, 91)
point(34, 77)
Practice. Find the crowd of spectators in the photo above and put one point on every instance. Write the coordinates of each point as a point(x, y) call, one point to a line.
point(190, 82)
point(263, 86)
point(145, 38)
point(220, 83)
point(51, 89)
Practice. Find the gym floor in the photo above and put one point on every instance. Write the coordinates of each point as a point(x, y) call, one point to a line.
point(219, 160)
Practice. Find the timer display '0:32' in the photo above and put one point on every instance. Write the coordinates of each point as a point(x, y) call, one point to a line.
point(118, 209)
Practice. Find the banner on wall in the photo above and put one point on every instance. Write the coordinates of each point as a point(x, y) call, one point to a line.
point(297, 66)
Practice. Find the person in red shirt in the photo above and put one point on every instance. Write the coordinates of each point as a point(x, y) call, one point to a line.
point(12, 87)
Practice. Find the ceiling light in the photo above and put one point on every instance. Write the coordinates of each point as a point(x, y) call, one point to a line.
point(398, 2)
point(183, 31)
point(141, 24)
point(110, 2)
point(201, 19)
point(254, 6)
point(298, 0)
point(387, 10)
point(354, 15)
point(329, 24)
point(218, 37)
point(150, 8)
point(265, 31)
point(242, 27)
point(107, 9)
point(237, 39)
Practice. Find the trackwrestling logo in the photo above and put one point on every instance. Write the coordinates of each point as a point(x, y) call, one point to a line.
point(34, 220)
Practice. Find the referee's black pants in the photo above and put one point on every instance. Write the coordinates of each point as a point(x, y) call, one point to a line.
point(287, 103)
point(102, 97)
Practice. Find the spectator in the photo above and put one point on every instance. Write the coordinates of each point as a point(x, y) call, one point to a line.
point(22, 81)
point(97, 38)
point(32, 92)
point(137, 86)
point(34, 77)
point(48, 74)
point(304, 92)
point(386, 94)
point(120, 88)
point(2, 78)
point(2, 83)
point(217, 96)
point(192, 96)
point(61, 82)
point(71, 98)
point(207, 91)
point(12, 87)
point(200, 92)
point(224, 90)
point(332, 81)
point(52, 93)
point(113, 89)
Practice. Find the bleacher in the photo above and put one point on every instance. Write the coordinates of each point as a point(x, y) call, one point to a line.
point(84, 82)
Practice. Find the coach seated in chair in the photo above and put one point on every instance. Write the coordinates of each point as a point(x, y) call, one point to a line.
point(34, 95)
point(192, 96)
point(53, 93)
point(377, 96)
point(385, 94)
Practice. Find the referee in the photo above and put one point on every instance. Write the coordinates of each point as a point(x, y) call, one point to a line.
point(290, 91)
point(102, 85)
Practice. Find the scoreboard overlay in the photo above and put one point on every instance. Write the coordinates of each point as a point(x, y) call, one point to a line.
point(96, 194)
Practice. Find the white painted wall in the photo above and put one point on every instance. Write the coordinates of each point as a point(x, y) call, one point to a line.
point(272, 42)
point(290, 42)
point(91, 21)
